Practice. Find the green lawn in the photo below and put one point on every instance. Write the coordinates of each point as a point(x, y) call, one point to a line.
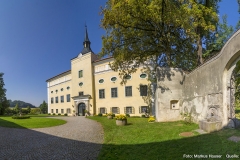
point(143, 140)
point(34, 121)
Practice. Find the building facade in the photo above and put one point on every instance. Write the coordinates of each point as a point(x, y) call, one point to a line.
point(91, 86)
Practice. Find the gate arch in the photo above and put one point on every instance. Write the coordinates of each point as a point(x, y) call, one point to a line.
point(81, 109)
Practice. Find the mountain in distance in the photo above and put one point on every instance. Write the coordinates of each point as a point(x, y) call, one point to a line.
point(21, 104)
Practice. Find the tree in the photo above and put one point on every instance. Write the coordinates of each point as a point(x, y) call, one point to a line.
point(3, 100)
point(17, 109)
point(44, 107)
point(215, 43)
point(202, 34)
point(28, 109)
point(153, 30)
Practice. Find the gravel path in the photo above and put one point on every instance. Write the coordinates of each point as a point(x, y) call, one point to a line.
point(80, 138)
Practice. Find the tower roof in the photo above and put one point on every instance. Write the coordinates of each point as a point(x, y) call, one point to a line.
point(86, 43)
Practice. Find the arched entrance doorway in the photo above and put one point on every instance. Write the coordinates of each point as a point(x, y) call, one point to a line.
point(232, 122)
point(81, 109)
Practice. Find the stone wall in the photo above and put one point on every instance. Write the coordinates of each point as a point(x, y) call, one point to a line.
point(205, 87)
point(168, 94)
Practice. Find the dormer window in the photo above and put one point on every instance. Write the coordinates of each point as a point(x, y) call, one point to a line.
point(113, 79)
point(127, 76)
point(101, 80)
point(143, 75)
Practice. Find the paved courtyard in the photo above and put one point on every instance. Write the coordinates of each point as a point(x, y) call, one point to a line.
point(80, 138)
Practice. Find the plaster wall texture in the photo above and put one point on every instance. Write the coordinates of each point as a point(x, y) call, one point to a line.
point(59, 87)
point(208, 85)
point(121, 101)
point(93, 71)
point(83, 63)
point(169, 89)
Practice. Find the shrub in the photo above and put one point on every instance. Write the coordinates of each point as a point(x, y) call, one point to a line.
point(151, 119)
point(25, 111)
point(187, 118)
point(100, 114)
point(20, 117)
point(49, 113)
point(121, 117)
point(104, 115)
point(65, 114)
point(143, 116)
point(35, 111)
point(59, 114)
point(110, 114)
point(135, 116)
point(127, 115)
point(54, 114)
point(237, 115)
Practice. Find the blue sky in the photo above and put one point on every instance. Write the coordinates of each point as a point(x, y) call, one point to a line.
point(39, 37)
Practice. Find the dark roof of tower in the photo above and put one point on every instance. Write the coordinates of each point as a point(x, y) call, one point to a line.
point(86, 43)
point(86, 35)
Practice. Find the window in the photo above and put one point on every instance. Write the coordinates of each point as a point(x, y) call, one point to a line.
point(80, 74)
point(51, 110)
point(68, 97)
point(143, 75)
point(143, 90)
point(80, 93)
point(56, 90)
point(52, 100)
point(102, 110)
point(128, 91)
point(115, 110)
point(68, 110)
point(68, 88)
point(101, 93)
point(101, 81)
point(56, 110)
point(61, 89)
point(113, 79)
point(62, 99)
point(80, 84)
point(113, 92)
point(51, 91)
point(127, 77)
point(56, 99)
point(62, 111)
point(143, 109)
point(128, 110)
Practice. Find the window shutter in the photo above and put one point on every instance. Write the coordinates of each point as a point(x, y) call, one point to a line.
point(111, 109)
point(98, 110)
point(118, 110)
point(133, 110)
point(105, 110)
point(140, 109)
point(125, 110)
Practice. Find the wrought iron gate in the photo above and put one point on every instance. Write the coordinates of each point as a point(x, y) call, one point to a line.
point(232, 97)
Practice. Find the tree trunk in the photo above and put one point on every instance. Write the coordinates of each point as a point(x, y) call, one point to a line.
point(199, 50)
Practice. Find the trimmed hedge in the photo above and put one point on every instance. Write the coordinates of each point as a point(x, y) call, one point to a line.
point(20, 117)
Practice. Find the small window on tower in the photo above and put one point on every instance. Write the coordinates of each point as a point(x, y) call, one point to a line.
point(80, 74)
